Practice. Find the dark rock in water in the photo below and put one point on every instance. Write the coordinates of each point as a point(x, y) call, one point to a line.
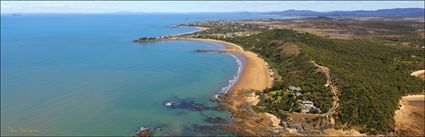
point(186, 103)
point(220, 108)
point(215, 120)
point(205, 129)
point(147, 131)
point(193, 106)
point(169, 104)
point(158, 129)
point(210, 130)
point(204, 50)
point(142, 132)
point(217, 97)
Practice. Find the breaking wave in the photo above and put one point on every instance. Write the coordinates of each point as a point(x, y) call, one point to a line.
point(235, 78)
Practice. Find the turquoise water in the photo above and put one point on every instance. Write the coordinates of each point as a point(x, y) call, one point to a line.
point(82, 75)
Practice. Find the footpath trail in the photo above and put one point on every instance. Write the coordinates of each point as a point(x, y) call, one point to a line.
point(334, 90)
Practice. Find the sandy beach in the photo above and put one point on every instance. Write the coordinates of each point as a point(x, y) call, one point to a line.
point(255, 74)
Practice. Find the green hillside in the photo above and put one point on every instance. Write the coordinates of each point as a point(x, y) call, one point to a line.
point(371, 76)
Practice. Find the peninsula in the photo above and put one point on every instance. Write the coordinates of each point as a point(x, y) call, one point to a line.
point(313, 76)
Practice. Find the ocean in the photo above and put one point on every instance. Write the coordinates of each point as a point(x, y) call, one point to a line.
point(81, 74)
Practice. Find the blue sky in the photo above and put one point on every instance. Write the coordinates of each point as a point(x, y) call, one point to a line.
point(195, 6)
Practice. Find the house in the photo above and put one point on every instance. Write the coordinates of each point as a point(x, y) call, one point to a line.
point(297, 93)
point(293, 88)
point(307, 104)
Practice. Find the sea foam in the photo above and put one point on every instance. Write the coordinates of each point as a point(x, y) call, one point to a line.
point(232, 81)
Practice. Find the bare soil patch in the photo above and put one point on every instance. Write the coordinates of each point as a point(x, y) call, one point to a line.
point(419, 74)
point(410, 117)
point(290, 49)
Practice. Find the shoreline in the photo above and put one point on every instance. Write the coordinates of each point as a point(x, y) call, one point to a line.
point(199, 29)
point(240, 95)
point(255, 74)
point(255, 77)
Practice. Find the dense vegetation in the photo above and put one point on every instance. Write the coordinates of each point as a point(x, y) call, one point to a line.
point(372, 76)
point(372, 71)
point(280, 50)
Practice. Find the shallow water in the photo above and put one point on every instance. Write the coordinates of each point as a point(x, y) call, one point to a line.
point(82, 75)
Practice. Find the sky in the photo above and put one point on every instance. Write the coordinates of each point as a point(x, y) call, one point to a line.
point(196, 6)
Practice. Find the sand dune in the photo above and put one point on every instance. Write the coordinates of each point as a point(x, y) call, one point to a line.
point(419, 73)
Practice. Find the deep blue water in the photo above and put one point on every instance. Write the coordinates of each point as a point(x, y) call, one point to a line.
point(82, 75)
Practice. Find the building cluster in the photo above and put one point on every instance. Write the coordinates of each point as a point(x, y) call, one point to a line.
point(155, 38)
point(230, 25)
point(306, 105)
point(234, 34)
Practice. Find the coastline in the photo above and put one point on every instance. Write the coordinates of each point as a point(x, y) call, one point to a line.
point(170, 37)
point(240, 94)
point(255, 77)
point(255, 74)
point(199, 29)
